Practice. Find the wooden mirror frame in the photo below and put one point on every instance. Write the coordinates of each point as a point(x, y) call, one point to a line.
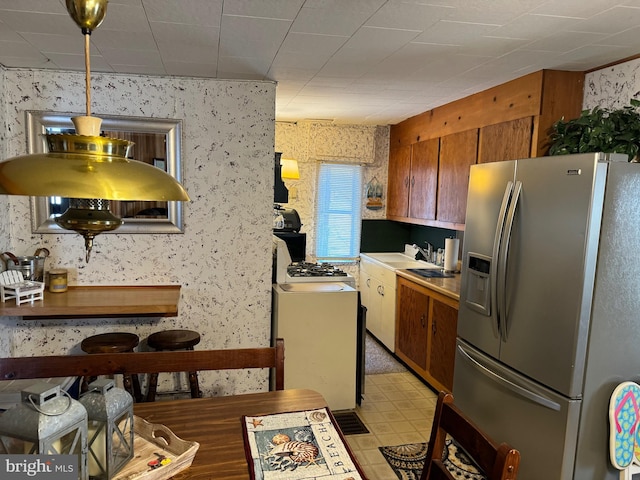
point(38, 122)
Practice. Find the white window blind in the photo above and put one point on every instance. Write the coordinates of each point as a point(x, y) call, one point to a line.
point(338, 212)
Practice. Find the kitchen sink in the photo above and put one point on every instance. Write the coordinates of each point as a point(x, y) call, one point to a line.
point(391, 257)
point(410, 264)
point(430, 272)
point(400, 261)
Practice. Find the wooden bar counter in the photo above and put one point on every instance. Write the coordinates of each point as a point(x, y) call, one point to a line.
point(100, 301)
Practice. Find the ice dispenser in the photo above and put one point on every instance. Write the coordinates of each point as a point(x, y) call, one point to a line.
point(478, 295)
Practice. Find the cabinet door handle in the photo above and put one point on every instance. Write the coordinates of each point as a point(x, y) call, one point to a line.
point(381, 290)
point(368, 283)
point(422, 320)
point(406, 181)
point(413, 181)
point(433, 327)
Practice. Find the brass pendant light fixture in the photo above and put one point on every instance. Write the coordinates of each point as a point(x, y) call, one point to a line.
point(86, 165)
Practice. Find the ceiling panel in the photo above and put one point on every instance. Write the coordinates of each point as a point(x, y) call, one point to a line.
point(363, 61)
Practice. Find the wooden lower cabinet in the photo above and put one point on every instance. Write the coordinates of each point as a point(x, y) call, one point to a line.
point(426, 327)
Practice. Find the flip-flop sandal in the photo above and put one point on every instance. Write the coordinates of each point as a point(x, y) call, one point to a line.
point(624, 417)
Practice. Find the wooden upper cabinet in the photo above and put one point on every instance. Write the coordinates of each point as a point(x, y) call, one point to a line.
point(458, 152)
point(505, 141)
point(398, 189)
point(424, 179)
point(513, 121)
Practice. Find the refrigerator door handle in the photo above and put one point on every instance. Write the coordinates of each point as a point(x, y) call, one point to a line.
point(497, 242)
point(517, 389)
point(503, 256)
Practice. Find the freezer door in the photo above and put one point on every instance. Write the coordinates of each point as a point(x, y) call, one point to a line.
point(538, 422)
point(551, 268)
point(490, 188)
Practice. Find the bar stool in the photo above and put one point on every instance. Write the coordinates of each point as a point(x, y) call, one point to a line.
point(114, 343)
point(173, 340)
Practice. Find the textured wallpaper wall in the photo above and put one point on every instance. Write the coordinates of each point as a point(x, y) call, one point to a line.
point(311, 143)
point(612, 87)
point(222, 261)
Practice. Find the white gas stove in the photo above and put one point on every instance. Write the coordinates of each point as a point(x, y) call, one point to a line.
point(305, 272)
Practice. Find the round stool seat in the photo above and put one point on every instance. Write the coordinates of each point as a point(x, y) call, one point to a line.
point(110, 343)
point(173, 340)
point(114, 342)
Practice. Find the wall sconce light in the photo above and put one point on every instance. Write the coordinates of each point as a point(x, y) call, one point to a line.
point(110, 428)
point(46, 422)
point(290, 169)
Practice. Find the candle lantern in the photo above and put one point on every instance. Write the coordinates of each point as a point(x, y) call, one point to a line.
point(46, 422)
point(110, 428)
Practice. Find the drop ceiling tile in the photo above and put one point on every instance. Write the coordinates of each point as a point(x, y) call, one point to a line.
point(283, 9)
point(534, 26)
point(244, 36)
point(7, 34)
point(601, 54)
point(300, 60)
point(185, 69)
point(58, 24)
point(492, 46)
point(407, 16)
point(611, 21)
point(140, 69)
point(131, 39)
point(193, 12)
point(40, 6)
point(182, 52)
point(46, 43)
point(454, 33)
point(20, 49)
point(628, 38)
point(384, 40)
point(574, 8)
point(76, 62)
point(565, 41)
point(259, 67)
point(185, 34)
point(122, 18)
point(144, 58)
point(312, 44)
point(497, 12)
point(328, 21)
point(39, 61)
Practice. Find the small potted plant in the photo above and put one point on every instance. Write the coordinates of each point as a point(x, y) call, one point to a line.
point(599, 130)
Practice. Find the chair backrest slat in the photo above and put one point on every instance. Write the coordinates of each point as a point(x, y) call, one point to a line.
point(497, 462)
point(146, 362)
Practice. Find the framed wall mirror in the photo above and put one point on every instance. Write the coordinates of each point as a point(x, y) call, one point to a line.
point(157, 141)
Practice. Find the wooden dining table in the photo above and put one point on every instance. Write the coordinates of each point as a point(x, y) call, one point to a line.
point(216, 424)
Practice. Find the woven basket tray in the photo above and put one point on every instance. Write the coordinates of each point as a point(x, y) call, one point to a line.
point(151, 439)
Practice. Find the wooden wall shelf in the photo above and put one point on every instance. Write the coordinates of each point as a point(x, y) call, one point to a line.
point(100, 301)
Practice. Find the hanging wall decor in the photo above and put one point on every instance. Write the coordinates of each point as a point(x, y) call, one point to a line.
point(374, 194)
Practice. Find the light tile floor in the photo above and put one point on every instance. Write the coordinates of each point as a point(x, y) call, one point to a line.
point(397, 408)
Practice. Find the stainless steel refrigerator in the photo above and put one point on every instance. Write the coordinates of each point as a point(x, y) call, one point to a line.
point(549, 318)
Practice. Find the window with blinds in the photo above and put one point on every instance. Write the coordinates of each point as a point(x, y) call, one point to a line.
point(338, 212)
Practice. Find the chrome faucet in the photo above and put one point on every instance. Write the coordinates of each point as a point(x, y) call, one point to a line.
point(428, 253)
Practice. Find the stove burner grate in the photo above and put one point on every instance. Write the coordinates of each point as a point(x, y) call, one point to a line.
point(306, 269)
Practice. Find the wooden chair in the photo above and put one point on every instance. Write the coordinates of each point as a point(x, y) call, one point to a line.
point(497, 462)
point(128, 363)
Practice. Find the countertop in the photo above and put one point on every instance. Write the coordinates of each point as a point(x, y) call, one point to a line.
point(449, 286)
point(400, 263)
